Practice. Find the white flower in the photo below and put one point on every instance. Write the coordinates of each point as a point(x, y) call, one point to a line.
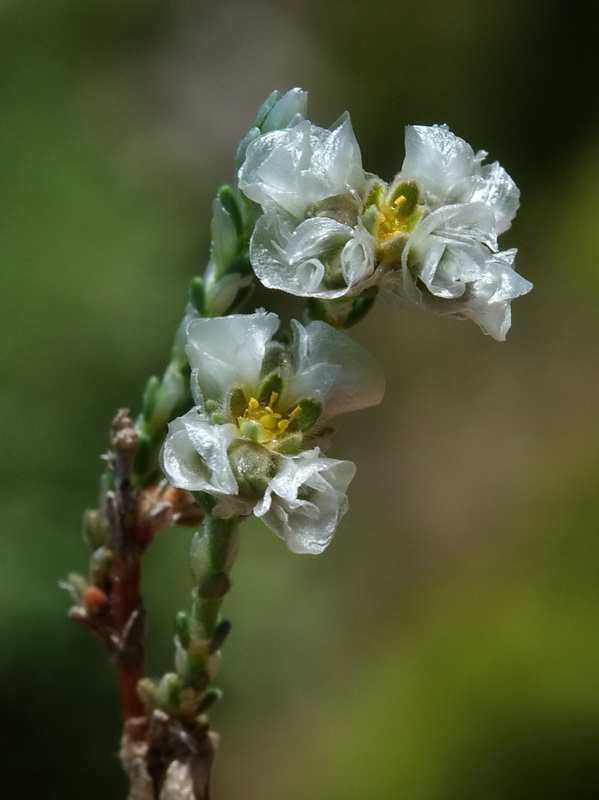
point(320, 257)
point(260, 410)
point(308, 180)
point(293, 168)
point(448, 171)
point(450, 262)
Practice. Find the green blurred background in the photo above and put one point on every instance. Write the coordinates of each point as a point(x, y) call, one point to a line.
point(446, 646)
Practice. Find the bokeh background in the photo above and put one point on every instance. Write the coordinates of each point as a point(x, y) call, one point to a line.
point(446, 646)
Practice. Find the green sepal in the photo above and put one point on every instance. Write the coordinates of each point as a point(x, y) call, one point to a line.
point(342, 207)
point(311, 409)
point(275, 358)
point(250, 430)
point(215, 586)
point(374, 193)
point(223, 629)
point(182, 628)
point(211, 697)
point(197, 294)
point(371, 220)
point(290, 445)
point(273, 383)
point(409, 189)
point(266, 107)
point(229, 199)
point(237, 403)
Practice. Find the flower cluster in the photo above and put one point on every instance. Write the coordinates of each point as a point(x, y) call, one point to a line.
point(251, 443)
point(304, 217)
point(329, 229)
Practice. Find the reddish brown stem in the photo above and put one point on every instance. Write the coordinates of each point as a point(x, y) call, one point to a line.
point(130, 539)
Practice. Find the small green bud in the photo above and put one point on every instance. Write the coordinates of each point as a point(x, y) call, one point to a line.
point(150, 397)
point(96, 529)
point(197, 294)
point(229, 200)
point(253, 467)
point(211, 697)
point(182, 628)
point(219, 636)
point(148, 692)
point(168, 691)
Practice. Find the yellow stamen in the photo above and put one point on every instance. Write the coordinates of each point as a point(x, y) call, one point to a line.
point(273, 398)
point(295, 413)
point(399, 201)
point(283, 425)
point(253, 404)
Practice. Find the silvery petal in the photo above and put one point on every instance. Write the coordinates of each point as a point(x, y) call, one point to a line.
point(439, 160)
point(211, 442)
point(223, 351)
point(292, 168)
point(194, 456)
point(296, 259)
point(334, 368)
point(307, 525)
point(358, 257)
point(498, 191)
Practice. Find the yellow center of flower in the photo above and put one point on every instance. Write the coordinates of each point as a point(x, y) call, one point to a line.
point(391, 219)
point(272, 423)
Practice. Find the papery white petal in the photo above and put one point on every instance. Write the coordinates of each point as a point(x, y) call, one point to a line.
point(302, 259)
point(295, 167)
point(223, 351)
point(498, 191)
point(469, 282)
point(307, 525)
point(335, 369)
point(358, 256)
point(439, 160)
point(449, 172)
point(194, 457)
